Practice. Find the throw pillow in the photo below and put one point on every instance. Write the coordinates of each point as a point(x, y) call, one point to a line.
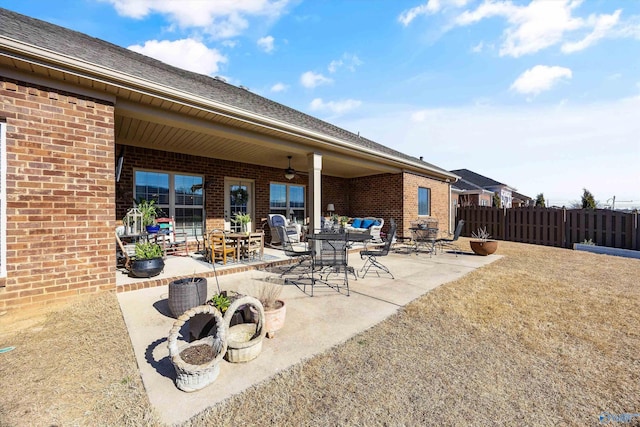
point(357, 223)
point(366, 223)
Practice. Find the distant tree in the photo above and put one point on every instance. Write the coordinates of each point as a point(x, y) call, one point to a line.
point(588, 201)
point(497, 203)
point(540, 200)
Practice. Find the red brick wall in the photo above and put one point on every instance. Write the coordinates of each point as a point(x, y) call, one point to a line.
point(439, 201)
point(377, 196)
point(60, 186)
point(214, 171)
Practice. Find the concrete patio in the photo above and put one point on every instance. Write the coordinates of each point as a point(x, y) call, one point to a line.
point(313, 324)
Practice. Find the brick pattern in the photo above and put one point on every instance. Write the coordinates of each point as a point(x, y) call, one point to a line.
point(60, 186)
point(63, 202)
point(439, 201)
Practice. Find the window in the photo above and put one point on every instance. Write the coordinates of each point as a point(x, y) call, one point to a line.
point(3, 199)
point(285, 199)
point(424, 201)
point(179, 196)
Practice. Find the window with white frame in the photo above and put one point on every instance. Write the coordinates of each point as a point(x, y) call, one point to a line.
point(179, 196)
point(3, 198)
point(288, 200)
point(424, 201)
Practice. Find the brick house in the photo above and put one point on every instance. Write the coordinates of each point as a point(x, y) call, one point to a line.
point(504, 191)
point(87, 126)
point(465, 193)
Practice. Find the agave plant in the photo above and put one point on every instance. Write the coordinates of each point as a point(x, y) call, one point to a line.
point(481, 234)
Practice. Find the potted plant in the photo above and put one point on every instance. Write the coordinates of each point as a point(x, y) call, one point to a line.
point(149, 212)
point(197, 364)
point(244, 336)
point(244, 220)
point(148, 260)
point(481, 243)
point(268, 293)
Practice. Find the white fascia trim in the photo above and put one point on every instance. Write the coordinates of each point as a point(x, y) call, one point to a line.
point(150, 88)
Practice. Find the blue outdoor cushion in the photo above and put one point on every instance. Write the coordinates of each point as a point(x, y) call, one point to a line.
point(366, 223)
point(376, 222)
point(356, 223)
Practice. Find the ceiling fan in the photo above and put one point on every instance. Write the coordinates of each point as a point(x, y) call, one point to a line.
point(289, 172)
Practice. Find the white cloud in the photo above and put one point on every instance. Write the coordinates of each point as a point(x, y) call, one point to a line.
point(266, 44)
point(188, 54)
point(541, 24)
point(429, 8)
point(336, 107)
point(279, 87)
point(220, 18)
point(534, 148)
point(478, 48)
point(311, 79)
point(348, 61)
point(601, 27)
point(540, 78)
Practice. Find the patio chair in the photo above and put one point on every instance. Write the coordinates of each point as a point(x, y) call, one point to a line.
point(220, 248)
point(299, 251)
point(450, 243)
point(175, 242)
point(125, 254)
point(373, 255)
point(331, 257)
point(277, 220)
point(253, 246)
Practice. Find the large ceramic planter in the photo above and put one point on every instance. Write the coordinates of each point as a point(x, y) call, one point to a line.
point(187, 293)
point(484, 248)
point(244, 340)
point(191, 377)
point(146, 267)
point(273, 319)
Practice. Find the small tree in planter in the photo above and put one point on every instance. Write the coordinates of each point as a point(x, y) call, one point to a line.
point(149, 212)
point(148, 261)
point(481, 243)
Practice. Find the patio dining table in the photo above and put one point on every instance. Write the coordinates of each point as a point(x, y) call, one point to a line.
point(424, 237)
point(241, 239)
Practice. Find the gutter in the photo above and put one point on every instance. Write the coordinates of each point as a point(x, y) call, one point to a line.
point(81, 68)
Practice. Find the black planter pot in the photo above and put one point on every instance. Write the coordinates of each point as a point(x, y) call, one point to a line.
point(146, 267)
point(187, 293)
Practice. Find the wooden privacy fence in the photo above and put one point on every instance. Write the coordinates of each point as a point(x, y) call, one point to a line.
point(554, 227)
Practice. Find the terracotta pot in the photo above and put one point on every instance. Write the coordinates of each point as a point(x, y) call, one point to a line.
point(484, 248)
point(274, 319)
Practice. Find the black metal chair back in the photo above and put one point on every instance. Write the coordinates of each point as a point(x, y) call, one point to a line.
point(373, 255)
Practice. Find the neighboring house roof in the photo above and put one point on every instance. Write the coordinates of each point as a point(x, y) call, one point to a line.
point(462, 185)
point(479, 180)
point(92, 51)
point(519, 196)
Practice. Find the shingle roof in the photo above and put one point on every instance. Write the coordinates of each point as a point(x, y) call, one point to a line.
point(463, 184)
point(476, 178)
point(99, 52)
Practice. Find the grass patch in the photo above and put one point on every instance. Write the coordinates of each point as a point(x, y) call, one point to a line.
point(543, 336)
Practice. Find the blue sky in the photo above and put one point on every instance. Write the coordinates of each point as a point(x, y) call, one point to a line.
point(541, 95)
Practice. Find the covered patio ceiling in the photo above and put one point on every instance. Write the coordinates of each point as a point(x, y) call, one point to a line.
point(209, 134)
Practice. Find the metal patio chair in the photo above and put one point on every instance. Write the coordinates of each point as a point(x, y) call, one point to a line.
point(450, 243)
point(373, 255)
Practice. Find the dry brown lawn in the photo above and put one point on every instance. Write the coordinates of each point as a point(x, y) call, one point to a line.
point(543, 336)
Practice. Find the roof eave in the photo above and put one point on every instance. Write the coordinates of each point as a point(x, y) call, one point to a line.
point(126, 81)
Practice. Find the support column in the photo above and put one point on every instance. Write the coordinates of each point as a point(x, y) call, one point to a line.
point(314, 163)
